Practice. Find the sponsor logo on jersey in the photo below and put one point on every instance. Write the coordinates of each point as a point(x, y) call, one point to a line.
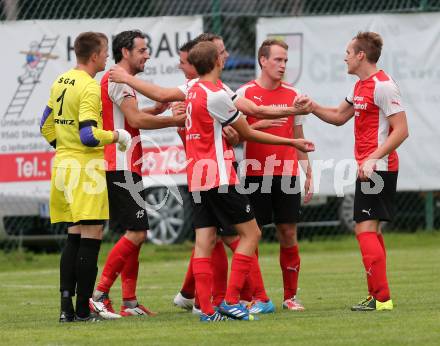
point(192, 136)
point(64, 122)
point(362, 106)
point(280, 105)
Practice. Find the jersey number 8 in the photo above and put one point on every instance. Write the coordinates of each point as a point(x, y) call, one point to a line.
point(188, 121)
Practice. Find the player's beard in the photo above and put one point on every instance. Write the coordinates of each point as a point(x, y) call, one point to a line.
point(138, 68)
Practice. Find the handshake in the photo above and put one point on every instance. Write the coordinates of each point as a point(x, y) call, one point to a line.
point(123, 138)
point(304, 104)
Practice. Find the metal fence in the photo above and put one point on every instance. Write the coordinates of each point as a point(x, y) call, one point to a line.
point(236, 20)
point(64, 9)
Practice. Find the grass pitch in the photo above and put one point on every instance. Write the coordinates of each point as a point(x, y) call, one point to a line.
point(331, 280)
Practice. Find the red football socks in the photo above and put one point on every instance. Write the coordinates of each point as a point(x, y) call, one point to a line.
point(374, 261)
point(255, 282)
point(129, 276)
point(369, 279)
point(219, 260)
point(203, 277)
point(248, 290)
point(382, 243)
point(240, 268)
point(196, 300)
point(233, 246)
point(189, 284)
point(115, 263)
point(290, 263)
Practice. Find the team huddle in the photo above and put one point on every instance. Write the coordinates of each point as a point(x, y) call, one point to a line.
point(96, 173)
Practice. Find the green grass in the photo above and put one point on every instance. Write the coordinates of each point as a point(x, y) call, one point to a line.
point(331, 280)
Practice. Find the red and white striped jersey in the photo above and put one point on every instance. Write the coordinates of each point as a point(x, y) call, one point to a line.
point(209, 108)
point(268, 159)
point(112, 95)
point(374, 99)
point(184, 88)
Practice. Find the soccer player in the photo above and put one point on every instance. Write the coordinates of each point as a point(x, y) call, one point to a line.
point(72, 124)
point(124, 175)
point(274, 169)
point(186, 298)
point(212, 180)
point(380, 127)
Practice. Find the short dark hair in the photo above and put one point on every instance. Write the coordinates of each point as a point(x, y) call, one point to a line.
point(264, 49)
point(87, 43)
point(186, 47)
point(206, 36)
point(125, 39)
point(203, 57)
point(370, 43)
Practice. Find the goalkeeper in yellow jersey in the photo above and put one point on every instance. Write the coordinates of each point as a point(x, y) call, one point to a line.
point(72, 124)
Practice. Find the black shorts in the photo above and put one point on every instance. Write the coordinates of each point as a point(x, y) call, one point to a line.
point(277, 203)
point(221, 207)
point(228, 231)
point(225, 231)
point(124, 209)
point(87, 223)
point(375, 205)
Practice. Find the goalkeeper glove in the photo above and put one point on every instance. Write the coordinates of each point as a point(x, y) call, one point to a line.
point(124, 139)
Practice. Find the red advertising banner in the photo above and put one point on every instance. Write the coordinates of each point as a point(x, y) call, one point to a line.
point(20, 167)
point(36, 166)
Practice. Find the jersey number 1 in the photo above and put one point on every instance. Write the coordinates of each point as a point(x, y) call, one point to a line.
point(61, 99)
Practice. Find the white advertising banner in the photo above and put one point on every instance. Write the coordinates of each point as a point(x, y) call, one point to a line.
point(316, 66)
point(37, 51)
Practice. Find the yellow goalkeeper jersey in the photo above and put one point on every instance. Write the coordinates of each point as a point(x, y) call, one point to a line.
point(73, 116)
